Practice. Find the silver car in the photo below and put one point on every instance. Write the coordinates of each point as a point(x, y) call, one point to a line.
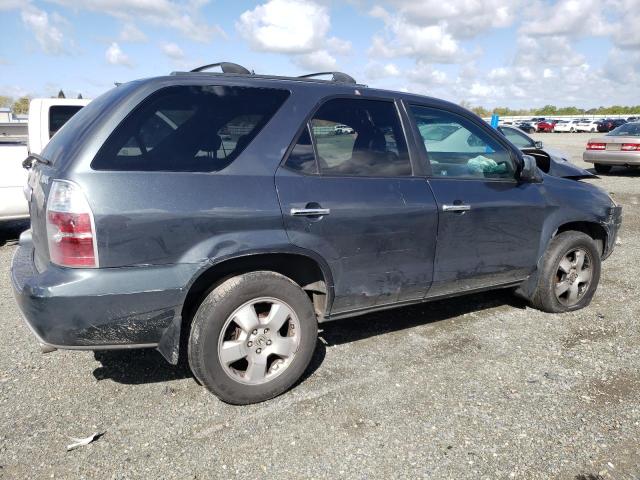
point(621, 146)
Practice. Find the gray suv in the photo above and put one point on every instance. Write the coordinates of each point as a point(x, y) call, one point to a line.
point(219, 217)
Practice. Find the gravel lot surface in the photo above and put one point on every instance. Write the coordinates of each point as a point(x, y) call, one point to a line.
point(475, 387)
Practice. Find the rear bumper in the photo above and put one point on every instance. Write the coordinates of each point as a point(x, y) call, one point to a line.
point(90, 309)
point(607, 157)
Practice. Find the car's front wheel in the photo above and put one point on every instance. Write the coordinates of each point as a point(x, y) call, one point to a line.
point(601, 168)
point(252, 337)
point(570, 273)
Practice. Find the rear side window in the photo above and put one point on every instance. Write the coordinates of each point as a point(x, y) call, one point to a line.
point(59, 115)
point(360, 137)
point(189, 129)
point(302, 158)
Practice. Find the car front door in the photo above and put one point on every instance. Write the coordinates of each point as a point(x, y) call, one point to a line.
point(348, 194)
point(489, 223)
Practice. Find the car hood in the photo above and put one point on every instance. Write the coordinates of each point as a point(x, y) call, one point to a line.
point(560, 167)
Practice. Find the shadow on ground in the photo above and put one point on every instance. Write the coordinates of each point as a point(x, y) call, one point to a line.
point(10, 231)
point(134, 367)
point(618, 172)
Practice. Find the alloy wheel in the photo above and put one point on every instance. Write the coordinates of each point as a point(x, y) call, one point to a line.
point(573, 277)
point(259, 340)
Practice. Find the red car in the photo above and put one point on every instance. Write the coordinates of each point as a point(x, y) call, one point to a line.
point(546, 125)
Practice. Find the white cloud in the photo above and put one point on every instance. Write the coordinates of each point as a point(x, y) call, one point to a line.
point(132, 34)
point(298, 28)
point(428, 43)
point(320, 60)
point(375, 71)
point(462, 18)
point(285, 26)
point(567, 17)
point(172, 51)
point(186, 17)
point(49, 36)
point(115, 56)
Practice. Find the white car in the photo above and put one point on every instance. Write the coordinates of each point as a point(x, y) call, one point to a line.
point(46, 117)
point(587, 126)
point(566, 126)
point(340, 129)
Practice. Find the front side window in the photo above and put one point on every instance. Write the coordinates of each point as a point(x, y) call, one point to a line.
point(517, 138)
point(189, 128)
point(456, 147)
point(360, 137)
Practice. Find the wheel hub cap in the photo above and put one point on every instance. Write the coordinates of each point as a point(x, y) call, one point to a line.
point(259, 341)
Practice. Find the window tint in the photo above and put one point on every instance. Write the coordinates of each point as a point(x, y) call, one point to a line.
point(517, 138)
point(302, 158)
point(189, 128)
point(59, 115)
point(360, 137)
point(460, 148)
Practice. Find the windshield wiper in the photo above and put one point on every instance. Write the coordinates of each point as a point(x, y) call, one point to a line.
point(28, 162)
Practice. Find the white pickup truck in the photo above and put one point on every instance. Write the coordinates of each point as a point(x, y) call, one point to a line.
point(46, 117)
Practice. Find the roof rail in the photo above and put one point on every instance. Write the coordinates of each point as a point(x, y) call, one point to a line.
point(226, 67)
point(336, 76)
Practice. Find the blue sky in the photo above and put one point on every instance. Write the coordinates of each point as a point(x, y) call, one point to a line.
point(516, 53)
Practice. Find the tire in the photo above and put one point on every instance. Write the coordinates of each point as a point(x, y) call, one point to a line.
point(258, 373)
point(601, 168)
point(593, 130)
point(559, 271)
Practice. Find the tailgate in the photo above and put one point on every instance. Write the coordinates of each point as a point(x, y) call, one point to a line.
point(39, 184)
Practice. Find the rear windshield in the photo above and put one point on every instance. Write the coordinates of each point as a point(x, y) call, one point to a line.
point(626, 130)
point(189, 129)
point(59, 115)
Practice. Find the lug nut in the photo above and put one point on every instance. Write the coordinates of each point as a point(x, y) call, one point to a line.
point(249, 344)
point(275, 367)
point(255, 332)
point(266, 330)
point(259, 350)
point(268, 342)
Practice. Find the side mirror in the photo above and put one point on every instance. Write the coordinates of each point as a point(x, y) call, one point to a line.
point(529, 171)
point(538, 145)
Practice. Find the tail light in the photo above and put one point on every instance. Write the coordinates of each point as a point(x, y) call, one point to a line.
point(70, 227)
point(596, 146)
point(630, 147)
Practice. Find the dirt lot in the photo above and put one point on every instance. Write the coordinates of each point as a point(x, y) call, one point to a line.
point(476, 387)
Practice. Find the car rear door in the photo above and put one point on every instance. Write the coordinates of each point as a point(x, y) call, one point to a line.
point(490, 224)
point(352, 199)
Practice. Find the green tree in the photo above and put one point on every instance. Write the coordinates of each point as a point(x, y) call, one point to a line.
point(21, 105)
point(61, 94)
point(5, 101)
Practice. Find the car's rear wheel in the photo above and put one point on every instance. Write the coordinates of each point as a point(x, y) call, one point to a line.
point(570, 273)
point(601, 168)
point(252, 337)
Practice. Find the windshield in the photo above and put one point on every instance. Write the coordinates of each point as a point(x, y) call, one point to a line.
point(626, 130)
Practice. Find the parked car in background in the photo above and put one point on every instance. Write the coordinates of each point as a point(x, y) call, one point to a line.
point(46, 117)
point(148, 232)
point(340, 129)
point(587, 126)
point(610, 123)
point(550, 161)
point(619, 147)
point(565, 126)
point(526, 127)
point(633, 119)
point(546, 126)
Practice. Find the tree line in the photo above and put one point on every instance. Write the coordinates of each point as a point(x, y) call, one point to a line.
point(20, 106)
point(553, 110)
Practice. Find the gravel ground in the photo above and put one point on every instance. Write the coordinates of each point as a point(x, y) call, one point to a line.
point(475, 387)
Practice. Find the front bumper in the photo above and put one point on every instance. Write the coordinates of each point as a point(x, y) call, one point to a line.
point(611, 157)
point(90, 309)
point(612, 226)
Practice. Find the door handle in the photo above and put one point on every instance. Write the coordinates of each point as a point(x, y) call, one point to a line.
point(456, 208)
point(310, 212)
